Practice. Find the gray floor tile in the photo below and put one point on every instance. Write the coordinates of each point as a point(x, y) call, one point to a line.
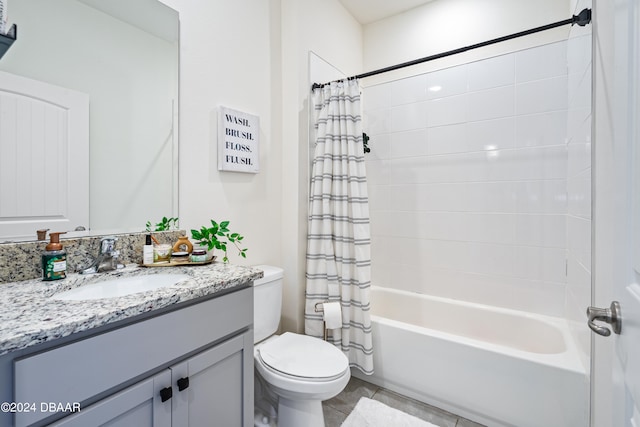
point(463, 422)
point(337, 409)
point(347, 400)
point(417, 409)
point(333, 417)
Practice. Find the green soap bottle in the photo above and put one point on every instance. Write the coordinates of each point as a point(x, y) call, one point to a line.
point(54, 259)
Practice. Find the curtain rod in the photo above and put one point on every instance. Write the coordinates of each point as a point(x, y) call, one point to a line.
point(582, 19)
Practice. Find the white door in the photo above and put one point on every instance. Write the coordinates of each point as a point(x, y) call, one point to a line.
point(616, 374)
point(44, 157)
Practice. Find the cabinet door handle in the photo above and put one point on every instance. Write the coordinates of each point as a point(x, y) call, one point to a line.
point(183, 383)
point(166, 394)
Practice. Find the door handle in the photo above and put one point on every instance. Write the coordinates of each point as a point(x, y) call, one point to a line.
point(609, 315)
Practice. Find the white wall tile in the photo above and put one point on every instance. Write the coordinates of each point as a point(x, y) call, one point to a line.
point(542, 196)
point(380, 145)
point(377, 121)
point(468, 227)
point(409, 143)
point(445, 254)
point(491, 103)
point(546, 230)
point(409, 90)
point(376, 97)
point(457, 168)
point(537, 130)
point(447, 139)
point(377, 172)
point(579, 194)
point(379, 195)
point(579, 54)
point(490, 227)
point(579, 125)
point(579, 241)
point(496, 197)
point(447, 82)
point(486, 258)
point(497, 134)
point(408, 170)
point(579, 90)
point(483, 184)
point(535, 163)
point(492, 72)
point(409, 116)
point(579, 158)
point(541, 96)
point(541, 62)
point(447, 111)
point(538, 263)
point(440, 197)
point(406, 197)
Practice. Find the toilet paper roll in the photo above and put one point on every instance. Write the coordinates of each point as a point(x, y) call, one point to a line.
point(332, 315)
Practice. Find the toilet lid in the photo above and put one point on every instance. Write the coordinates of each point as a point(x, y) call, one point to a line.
point(303, 356)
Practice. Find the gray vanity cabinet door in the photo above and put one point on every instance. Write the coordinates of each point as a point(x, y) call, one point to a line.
point(214, 395)
point(139, 405)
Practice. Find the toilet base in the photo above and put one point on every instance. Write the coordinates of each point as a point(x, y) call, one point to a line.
point(296, 413)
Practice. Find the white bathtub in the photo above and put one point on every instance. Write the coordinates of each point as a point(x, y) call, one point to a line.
point(495, 366)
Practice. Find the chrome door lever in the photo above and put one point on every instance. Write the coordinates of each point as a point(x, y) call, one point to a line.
point(609, 315)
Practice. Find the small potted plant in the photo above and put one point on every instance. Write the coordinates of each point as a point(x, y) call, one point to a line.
point(218, 236)
point(165, 224)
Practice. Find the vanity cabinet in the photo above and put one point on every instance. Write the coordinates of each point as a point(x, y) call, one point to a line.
point(188, 367)
point(203, 390)
point(139, 405)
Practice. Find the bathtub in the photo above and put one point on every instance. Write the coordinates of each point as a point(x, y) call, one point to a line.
point(496, 366)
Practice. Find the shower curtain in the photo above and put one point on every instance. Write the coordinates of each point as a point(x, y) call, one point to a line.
point(338, 245)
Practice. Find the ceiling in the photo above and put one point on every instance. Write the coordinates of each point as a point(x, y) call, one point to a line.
point(367, 11)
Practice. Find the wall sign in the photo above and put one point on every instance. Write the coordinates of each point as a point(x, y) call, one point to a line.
point(238, 141)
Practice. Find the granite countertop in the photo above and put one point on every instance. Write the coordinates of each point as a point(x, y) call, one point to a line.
point(29, 316)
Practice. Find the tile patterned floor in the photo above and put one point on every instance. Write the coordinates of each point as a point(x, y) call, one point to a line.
point(337, 409)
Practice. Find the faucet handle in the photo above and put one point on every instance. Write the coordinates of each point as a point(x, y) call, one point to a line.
point(108, 244)
point(115, 257)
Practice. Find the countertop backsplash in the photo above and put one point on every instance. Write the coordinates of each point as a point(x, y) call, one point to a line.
point(22, 261)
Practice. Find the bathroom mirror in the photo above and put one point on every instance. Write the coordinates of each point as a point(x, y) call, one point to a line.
point(124, 56)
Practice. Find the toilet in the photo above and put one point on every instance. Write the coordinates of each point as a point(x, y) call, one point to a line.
point(300, 370)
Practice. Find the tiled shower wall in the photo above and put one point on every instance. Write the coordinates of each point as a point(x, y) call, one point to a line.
point(578, 295)
point(468, 176)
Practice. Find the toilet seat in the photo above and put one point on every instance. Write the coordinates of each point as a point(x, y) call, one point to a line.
point(304, 357)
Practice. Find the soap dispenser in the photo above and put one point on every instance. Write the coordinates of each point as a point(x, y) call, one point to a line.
point(54, 259)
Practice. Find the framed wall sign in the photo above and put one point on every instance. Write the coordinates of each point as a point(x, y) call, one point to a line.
point(238, 141)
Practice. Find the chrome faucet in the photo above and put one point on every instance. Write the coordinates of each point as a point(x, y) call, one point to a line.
point(107, 258)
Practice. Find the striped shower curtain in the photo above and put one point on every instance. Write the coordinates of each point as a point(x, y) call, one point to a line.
point(338, 246)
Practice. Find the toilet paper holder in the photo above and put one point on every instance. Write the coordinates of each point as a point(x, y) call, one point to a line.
point(320, 309)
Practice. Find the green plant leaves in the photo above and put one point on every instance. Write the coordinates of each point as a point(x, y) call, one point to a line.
point(165, 224)
point(218, 236)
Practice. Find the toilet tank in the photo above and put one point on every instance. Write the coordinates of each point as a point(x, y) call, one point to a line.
point(267, 302)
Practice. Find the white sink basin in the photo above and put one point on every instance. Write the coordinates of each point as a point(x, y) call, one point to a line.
point(120, 287)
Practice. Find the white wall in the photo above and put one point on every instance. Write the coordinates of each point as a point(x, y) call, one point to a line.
point(328, 30)
point(253, 56)
point(444, 25)
point(226, 51)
